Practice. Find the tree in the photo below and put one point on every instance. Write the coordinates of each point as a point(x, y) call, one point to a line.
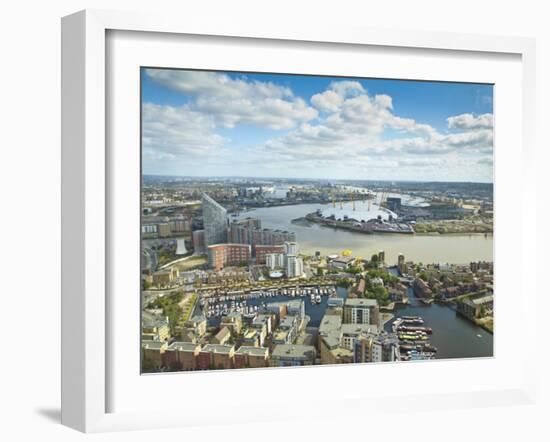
point(379, 293)
point(145, 284)
point(344, 282)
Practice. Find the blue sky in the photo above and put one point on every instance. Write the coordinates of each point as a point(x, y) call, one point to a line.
point(275, 125)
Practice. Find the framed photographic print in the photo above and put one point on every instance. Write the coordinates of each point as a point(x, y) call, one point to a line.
point(319, 221)
point(285, 208)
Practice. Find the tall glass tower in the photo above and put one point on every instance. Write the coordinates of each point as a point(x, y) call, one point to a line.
point(215, 221)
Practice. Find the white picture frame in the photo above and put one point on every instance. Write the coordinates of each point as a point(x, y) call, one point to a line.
point(86, 214)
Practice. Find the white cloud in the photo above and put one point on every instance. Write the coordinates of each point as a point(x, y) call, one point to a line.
point(328, 101)
point(355, 130)
point(231, 101)
point(171, 132)
point(470, 121)
point(331, 99)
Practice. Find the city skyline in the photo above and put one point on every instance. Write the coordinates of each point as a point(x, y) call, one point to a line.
point(199, 177)
point(287, 126)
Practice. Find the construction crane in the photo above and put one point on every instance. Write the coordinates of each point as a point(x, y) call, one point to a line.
point(383, 197)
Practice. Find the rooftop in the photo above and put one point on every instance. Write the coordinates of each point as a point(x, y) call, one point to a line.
point(223, 333)
point(218, 348)
point(360, 302)
point(294, 351)
point(330, 323)
point(288, 321)
point(344, 259)
point(252, 351)
point(206, 198)
point(183, 346)
point(352, 329)
point(483, 299)
point(154, 345)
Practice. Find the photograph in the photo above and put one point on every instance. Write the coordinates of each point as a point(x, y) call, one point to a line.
point(295, 220)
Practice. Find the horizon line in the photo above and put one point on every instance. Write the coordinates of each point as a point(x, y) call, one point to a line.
point(314, 179)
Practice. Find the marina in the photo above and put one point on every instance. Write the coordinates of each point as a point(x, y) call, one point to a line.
point(251, 302)
point(413, 338)
point(423, 328)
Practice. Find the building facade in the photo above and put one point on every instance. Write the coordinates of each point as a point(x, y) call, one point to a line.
point(251, 357)
point(381, 347)
point(261, 252)
point(275, 260)
point(290, 355)
point(222, 255)
point(249, 231)
point(215, 221)
point(361, 311)
point(199, 242)
point(294, 266)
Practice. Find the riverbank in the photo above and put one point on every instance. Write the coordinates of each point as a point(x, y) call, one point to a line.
point(369, 227)
point(453, 227)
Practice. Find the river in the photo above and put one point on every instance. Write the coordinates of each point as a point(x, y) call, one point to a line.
point(451, 248)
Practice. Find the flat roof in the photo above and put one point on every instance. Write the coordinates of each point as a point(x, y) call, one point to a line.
point(344, 259)
point(361, 302)
point(183, 346)
point(218, 348)
point(294, 351)
point(330, 323)
point(253, 351)
point(154, 345)
point(359, 328)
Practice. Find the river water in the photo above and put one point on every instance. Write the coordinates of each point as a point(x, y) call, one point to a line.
point(454, 249)
point(453, 335)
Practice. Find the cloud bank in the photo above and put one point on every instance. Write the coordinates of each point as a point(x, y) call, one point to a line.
point(341, 128)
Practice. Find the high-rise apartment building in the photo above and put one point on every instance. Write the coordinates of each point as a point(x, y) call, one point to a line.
point(294, 266)
point(249, 231)
point(275, 260)
point(291, 248)
point(262, 251)
point(215, 221)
